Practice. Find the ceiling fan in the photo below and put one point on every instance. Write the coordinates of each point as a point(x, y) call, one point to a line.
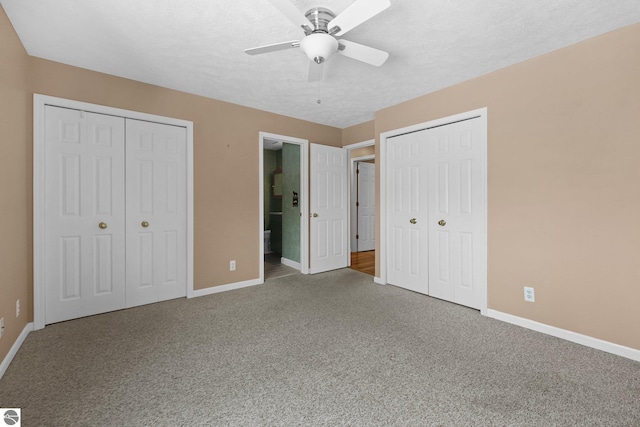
point(323, 29)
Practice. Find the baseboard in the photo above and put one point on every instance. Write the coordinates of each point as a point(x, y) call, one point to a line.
point(379, 281)
point(290, 263)
point(609, 347)
point(15, 347)
point(224, 288)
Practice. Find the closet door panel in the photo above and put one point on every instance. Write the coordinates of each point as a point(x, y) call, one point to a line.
point(84, 205)
point(156, 212)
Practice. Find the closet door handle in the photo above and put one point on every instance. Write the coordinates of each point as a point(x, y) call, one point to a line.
point(413, 221)
point(102, 225)
point(442, 223)
point(144, 224)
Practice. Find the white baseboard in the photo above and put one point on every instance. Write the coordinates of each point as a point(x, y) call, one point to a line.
point(224, 288)
point(290, 263)
point(609, 347)
point(379, 281)
point(14, 348)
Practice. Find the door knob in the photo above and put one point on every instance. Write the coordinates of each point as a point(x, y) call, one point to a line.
point(102, 225)
point(413, 220)
point(442, 223)
point(315, 215)
point(145, 224)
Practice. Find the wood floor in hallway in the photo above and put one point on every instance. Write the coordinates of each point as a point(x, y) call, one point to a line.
point(364, 262)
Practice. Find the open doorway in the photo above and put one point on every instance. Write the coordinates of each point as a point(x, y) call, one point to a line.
point(284, 202)
point(362, 206)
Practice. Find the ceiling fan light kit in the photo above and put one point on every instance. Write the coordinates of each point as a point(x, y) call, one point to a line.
point(319, 46)
point(321, 27)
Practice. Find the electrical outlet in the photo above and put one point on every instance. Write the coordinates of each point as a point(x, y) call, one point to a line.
point(1, 326)
point(529, 294)
point(232, 265)
point(18, 308)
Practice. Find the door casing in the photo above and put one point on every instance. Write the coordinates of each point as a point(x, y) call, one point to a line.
point(384, 193)
point(303, 199)
point(39, 102)
point(352, 161)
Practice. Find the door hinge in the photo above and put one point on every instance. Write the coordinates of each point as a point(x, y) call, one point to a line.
point(357, 236)
point(357, 170)
point(357, 204)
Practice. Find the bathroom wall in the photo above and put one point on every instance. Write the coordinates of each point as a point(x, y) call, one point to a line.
point(290, 214)
point(275, 221)
point(269, 165)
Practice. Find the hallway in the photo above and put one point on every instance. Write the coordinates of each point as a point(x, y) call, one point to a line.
point(364, 262)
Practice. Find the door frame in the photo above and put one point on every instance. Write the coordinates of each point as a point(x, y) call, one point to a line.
point(350, 147)
point(303, 198)
point(39, 175)
point(382, 160)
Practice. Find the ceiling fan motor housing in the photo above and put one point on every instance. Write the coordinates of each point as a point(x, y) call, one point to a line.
point(320, 18)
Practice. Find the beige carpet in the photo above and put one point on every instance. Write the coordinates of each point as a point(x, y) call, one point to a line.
point(323, 350)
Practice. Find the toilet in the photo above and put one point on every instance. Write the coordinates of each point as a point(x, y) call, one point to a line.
point(267, 241)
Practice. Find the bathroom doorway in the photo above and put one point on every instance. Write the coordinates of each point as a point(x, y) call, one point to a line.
point(284, 219)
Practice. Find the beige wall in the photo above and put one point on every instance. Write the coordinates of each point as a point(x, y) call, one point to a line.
point(358, 133)
point(563, 182)
point(15, 185)
point(363, 151)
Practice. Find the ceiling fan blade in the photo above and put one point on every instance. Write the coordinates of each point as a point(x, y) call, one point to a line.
point(356, 14)
point(289, 10)
point(272, 47)
point(362, 53)
point(315, 71)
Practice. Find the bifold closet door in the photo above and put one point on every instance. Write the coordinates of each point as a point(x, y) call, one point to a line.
point(455, 212)
point(435, 213)
point(85, 210)
point(407, 212)
point(156, 212)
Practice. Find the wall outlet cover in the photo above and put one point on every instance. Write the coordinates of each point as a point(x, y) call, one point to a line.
point(529, 294)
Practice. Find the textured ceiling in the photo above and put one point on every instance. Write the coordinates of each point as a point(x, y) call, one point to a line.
point(197, 46)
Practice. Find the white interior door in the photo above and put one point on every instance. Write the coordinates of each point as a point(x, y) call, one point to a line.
point(329, 208)
point(84, 201)
point(366, 206)
point(156, 212)
point(407, 250)
point(455, 212)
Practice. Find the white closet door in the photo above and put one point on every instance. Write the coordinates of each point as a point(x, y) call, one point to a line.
point(455, 212)
point(407, 216)
point(156, 212)
point(329, 207)
point(366, 206)
point(84, 169)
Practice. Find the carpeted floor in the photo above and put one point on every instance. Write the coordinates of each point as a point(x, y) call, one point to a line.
point(329, 349)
